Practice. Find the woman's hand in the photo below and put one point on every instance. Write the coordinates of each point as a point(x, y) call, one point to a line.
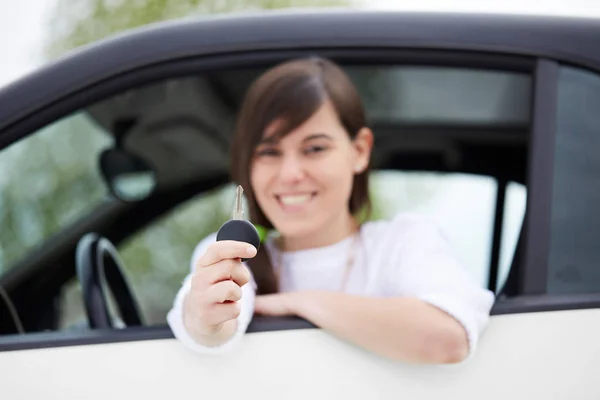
point(277, 305)
point(211, 306)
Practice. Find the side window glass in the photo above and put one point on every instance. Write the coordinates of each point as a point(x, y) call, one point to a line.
point(574, 253)
point(50, 180)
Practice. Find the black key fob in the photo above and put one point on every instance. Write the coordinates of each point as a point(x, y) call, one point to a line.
point(238, 228)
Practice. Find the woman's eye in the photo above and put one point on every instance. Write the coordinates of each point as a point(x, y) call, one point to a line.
point(315, 149)
point(267, 152)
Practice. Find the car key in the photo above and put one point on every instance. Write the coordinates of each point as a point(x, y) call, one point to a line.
point(238, 228)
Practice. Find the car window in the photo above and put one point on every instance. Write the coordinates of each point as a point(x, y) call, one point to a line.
point(427, 121)
point(574, 257)
point(50, 179)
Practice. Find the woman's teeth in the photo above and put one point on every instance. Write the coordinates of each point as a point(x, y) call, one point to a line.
point(295, 200)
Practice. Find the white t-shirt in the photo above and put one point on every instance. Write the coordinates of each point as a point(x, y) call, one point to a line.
point(405, 256)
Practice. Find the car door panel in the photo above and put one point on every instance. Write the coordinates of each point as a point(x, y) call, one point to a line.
point(538, 355)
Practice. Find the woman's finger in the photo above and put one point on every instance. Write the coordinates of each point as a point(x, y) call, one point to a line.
point(225, 249)
point(222, 312)
point(221, 271)
point(224, 291)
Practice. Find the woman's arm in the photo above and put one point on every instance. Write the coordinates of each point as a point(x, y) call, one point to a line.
point(231, 331)
point(404, 329)
point(428, 308)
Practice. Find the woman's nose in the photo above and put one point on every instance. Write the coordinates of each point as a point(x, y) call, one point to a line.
point(291, 169)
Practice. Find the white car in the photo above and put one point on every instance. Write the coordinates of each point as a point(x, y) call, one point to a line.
point(114, 165)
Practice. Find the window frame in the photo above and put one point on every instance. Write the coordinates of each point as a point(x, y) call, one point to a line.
point(532, 278)
point(540, 180)
point(534, 246)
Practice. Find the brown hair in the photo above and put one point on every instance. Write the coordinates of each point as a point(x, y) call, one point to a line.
point(292, 92)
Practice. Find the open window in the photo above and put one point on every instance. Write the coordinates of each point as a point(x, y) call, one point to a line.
point(451, 141)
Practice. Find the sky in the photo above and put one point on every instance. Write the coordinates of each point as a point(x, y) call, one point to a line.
point(22, 27)
point(22, 22)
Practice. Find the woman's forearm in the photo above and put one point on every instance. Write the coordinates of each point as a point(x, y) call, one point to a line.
point(398, 328)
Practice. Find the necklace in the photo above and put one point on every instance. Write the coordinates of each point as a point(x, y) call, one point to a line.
point(349, 262)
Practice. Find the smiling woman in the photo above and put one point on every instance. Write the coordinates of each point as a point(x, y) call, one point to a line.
point(493, 138)
point(302, 150)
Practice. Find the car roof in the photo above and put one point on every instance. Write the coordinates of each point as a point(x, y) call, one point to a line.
point(571, 40)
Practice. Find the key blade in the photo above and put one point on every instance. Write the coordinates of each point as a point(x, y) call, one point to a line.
point(238, 209)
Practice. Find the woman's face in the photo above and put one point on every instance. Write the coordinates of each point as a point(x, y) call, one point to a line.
point(303, 182)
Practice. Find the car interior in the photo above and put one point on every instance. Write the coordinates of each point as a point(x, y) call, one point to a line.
point(166, 146)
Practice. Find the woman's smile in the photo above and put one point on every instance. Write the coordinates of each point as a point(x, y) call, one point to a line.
point(295, 202)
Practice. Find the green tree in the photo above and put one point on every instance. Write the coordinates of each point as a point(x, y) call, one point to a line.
point(73, 24)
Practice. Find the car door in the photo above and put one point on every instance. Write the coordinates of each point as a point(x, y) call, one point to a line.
point(542, 338)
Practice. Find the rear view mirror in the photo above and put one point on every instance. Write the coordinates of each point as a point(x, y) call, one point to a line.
point(129, 178)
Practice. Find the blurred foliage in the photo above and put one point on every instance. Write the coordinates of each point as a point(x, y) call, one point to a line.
point(54, 177)
point(53, 181)
point(74, 24)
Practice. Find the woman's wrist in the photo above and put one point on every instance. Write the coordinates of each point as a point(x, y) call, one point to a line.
point(206, 335)
point(220, 335)
point(305, 304)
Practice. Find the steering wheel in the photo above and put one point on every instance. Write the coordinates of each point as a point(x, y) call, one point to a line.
point(99, 270)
